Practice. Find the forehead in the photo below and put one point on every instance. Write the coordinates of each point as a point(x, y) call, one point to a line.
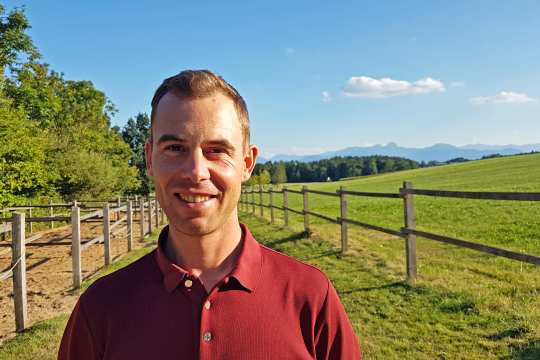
point(195, 117)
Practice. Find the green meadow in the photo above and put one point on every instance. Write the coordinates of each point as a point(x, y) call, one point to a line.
point(465, 304)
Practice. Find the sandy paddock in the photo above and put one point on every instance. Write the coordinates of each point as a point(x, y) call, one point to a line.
point(49, 272)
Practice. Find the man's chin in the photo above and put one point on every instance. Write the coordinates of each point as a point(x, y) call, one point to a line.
point(196, 227)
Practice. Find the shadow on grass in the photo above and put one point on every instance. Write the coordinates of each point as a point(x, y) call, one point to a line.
point(514, 332)
point(293, 237)
point(528, 351)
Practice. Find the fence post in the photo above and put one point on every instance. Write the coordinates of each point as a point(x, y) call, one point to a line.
point(3, 224)
point(149, 215)
point(261, 199)
point(141, 209)
point(271, 201)
point(306, 209)
point(30, 222)
point(156, 212)
point(51, 214)
point(344, 225)
point(285, 207)
point(106, 234)
point(76, 246)
point(130, 225)
point(410, 223)
point(19, 271)
point(118, 203)
point(252, 199)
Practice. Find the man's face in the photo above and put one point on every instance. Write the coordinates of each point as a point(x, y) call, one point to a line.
point(198, 162)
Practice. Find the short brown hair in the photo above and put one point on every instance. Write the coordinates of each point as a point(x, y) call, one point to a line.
point(193, 84)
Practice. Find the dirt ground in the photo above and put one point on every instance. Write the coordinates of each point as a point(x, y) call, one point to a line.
point(49, 272)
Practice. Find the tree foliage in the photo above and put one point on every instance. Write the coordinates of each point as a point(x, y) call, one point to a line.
point(333, 169)
point(135, 133)
point(55, 134)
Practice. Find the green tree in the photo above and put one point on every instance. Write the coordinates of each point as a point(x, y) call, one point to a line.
point(264, 177)
point(135, 133)
point(279, 173)
point(23, 146)
point(14, 41)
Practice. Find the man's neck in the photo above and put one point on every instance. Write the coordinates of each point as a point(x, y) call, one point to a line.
point(211, 256)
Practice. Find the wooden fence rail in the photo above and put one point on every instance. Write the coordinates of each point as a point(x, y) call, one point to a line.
point(18, 222)
point(408, 232)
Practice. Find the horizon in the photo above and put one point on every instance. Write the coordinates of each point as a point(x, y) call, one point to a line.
point(336, 76)
point(398, 145)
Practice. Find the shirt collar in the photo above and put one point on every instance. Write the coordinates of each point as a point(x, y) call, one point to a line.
point(247, 270)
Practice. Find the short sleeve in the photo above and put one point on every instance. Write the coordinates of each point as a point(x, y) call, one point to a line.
point(334, 335)
point(77, 342)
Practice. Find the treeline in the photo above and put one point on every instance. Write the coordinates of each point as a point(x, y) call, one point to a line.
point(56, 138)
point(328, 169)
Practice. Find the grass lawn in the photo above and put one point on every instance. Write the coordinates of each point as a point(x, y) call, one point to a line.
point(41, 341)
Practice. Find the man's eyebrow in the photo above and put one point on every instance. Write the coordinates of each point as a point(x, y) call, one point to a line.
point(169, 137)
point(222, 142)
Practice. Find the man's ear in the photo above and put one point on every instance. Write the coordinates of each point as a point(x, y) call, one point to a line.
point(148, 158)
point(250, 158)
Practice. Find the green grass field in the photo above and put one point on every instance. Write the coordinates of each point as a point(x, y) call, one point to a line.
point(505, 292)
point(514, 225)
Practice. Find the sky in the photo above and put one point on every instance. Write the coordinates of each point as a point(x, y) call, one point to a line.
point(317, 76)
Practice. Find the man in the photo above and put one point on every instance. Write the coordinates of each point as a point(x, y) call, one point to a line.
point(209, 291)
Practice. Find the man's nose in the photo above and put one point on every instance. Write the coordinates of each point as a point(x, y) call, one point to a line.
point(196, 167)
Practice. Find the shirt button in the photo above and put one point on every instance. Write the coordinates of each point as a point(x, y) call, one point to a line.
point(188, 283)
point(207, 336)
point(207, 305)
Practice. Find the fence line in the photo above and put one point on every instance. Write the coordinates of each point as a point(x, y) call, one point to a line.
point(18, 223)
point(408, 232)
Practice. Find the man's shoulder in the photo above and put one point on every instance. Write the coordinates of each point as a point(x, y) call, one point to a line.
point(122, 282)
point(288, 268)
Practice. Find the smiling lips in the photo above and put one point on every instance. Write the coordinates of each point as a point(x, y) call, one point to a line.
point(194, 198)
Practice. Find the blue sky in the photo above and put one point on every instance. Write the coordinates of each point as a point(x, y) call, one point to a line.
point(317, 75)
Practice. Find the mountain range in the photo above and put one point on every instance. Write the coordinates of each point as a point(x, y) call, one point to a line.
point(436, 152)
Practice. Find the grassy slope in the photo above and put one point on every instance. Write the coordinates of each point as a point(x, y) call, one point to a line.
point(507, 289)
point(41, 341)
point(510, 224)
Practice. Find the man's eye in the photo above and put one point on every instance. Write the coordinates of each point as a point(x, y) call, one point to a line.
point(216, 150)
point(175, 148)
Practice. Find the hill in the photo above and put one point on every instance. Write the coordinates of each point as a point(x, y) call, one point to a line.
point(436, 152)
point(510, 224)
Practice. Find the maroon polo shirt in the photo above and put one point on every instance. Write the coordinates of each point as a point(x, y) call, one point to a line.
point(270, 306)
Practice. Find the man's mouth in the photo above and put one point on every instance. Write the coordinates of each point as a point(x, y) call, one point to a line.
point(194, 198)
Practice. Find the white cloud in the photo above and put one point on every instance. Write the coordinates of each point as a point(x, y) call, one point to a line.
point(504, 97)
point(364, 86)
point(326, 97)
point(457, 84)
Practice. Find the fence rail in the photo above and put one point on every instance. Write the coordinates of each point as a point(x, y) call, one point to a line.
point(408, 232)
point(18, 222)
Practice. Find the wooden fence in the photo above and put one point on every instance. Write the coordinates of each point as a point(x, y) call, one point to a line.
point(16, 225)
point(408, 232)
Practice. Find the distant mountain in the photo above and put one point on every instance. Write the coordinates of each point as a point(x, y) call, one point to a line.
point(437, 152)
